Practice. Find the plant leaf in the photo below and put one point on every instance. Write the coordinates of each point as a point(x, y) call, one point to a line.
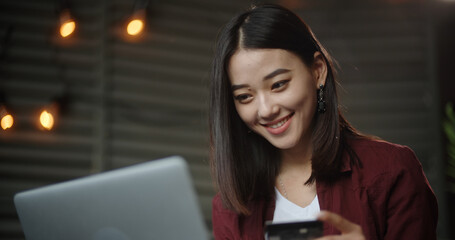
point(451, 172)
point(449, 112)
point(451, 151)
point(449, 130)
point(451, 163)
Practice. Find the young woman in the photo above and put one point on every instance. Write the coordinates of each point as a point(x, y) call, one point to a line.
point(282, 151)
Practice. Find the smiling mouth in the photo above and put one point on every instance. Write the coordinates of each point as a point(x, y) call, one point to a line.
point(280, 123)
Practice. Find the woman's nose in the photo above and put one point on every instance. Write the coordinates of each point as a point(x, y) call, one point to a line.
point(267, 109)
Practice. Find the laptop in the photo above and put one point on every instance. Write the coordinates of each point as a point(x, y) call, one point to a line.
point(152, 200)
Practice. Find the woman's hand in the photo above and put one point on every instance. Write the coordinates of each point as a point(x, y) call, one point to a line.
point(348, 229)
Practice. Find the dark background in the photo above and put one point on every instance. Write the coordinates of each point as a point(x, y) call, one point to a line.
point(137, 99)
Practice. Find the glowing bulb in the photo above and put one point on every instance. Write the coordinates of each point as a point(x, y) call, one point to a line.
point(67, 28)
point(135, 27)
point(47, 120)
point(7, 121)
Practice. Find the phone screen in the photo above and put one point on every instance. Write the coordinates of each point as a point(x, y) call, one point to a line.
point(306, 230)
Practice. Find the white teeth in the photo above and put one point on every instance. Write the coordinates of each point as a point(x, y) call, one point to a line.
point(279, 124)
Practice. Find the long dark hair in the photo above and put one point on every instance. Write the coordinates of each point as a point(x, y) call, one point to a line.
point(244, 165)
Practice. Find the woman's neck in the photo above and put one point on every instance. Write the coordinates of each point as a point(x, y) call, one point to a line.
point(295, 170)
point(296, 160)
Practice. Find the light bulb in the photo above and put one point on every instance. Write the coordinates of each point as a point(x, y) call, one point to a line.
point(135, 27)
point(7, 121)
point(67, 23)
point(46, 119)
point(67, 28)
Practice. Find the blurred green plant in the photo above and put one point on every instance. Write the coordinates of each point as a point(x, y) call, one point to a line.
point(449, 129)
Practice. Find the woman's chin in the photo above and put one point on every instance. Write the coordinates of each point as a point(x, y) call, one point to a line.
point(284, 145)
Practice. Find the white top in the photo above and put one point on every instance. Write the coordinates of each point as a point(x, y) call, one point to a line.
point(287, 211)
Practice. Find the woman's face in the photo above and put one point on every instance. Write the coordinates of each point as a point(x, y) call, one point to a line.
point(275, 94)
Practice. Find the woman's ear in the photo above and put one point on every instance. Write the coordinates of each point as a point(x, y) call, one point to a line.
point(319, 69)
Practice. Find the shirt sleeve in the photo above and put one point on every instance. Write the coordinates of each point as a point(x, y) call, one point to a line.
point(412, 211)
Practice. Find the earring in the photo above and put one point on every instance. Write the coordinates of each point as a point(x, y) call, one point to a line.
point(321, 101)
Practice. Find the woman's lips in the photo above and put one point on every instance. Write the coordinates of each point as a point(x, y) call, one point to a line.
point(279, 126)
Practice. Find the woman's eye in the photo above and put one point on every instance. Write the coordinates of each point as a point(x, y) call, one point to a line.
point(243, 98)
point(280, 84)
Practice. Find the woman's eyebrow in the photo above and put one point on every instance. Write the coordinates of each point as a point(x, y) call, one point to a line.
point(236, 87)
point(276, 72)
point(269, 76)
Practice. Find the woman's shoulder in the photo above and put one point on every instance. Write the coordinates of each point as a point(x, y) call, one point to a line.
point(224, 220)
point(253, 206)
point(217, 205)
point(383, 165)
point(380, 155)
point(219, 211)
point(227, 224)
point(393, 180)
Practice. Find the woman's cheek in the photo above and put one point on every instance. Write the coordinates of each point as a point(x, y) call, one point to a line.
point(246, 114)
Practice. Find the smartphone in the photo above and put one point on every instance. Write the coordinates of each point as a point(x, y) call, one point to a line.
point(306, 230)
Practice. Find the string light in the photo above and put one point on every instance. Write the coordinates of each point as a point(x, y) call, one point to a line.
point(137, 21)
point(7, 120)
point(135, 27)
point(136, 24)
point(49, 115)
point(67, 22)
point(67, 28)
point(46, 120)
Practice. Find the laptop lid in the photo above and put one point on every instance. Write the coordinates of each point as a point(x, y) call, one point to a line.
point(152, 200)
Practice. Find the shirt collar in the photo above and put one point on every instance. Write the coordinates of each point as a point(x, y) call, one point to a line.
point(345, 162)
